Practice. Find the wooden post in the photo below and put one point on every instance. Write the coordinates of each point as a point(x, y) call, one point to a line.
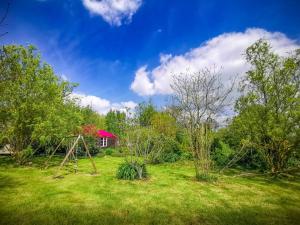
point(46, 163)
point(88, 152)
point(68, 154)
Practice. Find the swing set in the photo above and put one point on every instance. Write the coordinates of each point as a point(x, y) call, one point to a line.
point(71, 153)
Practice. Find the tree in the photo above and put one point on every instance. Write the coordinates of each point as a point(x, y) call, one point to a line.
point(34, 105)
point(198, 99)
point(164, 124)
point(145, 112)
point(269, 109)
point(115, 122)
point(92, 117)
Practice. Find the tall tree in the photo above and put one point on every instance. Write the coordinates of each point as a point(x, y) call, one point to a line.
point(198, 99)
point(145, 112)
point(33, 100)
point(164, 124)
point(115, 122)
point(92, 117)
point(269, 109)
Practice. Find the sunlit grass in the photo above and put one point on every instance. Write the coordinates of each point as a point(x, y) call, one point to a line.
point(171, 195)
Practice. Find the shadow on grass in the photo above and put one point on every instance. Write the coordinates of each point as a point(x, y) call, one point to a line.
point(7, 182)
point(7, 161)
point(36, 162)
point(76, 214)
point(254, 176)
point(265, 180)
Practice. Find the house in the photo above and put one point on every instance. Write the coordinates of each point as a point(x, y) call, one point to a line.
point(107, 139)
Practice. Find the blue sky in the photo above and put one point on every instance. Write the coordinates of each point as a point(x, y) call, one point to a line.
point(123, 51)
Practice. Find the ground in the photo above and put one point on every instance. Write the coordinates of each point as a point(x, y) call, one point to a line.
point(30, 195)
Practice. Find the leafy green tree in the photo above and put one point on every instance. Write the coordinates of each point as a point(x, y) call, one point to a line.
point(34, 104)
point(164, 124)
point(145, 112)
point(269, 109)
point(115, 122)
point(92, 117)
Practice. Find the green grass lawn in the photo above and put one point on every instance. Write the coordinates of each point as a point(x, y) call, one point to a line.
point(30, 195)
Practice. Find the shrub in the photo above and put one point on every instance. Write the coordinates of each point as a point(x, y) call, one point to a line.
point(164, 149)
point(186, 155)
point(294, 160)
point(108, 151)
point(221, 152)
point(132, 170)
point(23, 156)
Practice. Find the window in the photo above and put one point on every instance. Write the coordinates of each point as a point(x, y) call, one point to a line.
point(103, 142)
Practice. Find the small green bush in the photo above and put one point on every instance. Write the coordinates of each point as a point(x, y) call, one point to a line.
point(108, 151)
point(294, 160)
point(132, 171)
point(186, 155)
point(221, 153)
point(164, 149)
point(24, 155)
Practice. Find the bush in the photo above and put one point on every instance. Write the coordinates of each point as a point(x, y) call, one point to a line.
point(221, 152)
point(24, 155)
point(294, 160)
point(132, 170)
point(108, 151)
point(91, 144)
point(186, 155)
point(164, 149)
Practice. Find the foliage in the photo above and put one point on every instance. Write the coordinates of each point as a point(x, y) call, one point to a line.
point(108, 151)
point(163, 149)
point(132, 170)
point(145, 112)
point(186, 155)
point(34, 104)
point(89, 130)
point(92, 144)
point(115, 122)
point(37, 109)
point(269, 110)
point(23, 156)
point(90, 117)
point(233, 136)
point(164, 124)
point(197, 100)
point(221, 152)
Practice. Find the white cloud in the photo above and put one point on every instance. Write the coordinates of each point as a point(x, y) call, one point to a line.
point(100, 105)
point(226, 51)
point(142, 84)
point(122, 106)
point(115, 12)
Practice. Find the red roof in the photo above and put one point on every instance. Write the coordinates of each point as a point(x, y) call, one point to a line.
point(104, 133)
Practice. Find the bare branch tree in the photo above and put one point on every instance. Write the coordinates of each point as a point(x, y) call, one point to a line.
point(198, 100)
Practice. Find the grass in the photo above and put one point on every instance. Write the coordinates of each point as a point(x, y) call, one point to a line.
point(30, 195)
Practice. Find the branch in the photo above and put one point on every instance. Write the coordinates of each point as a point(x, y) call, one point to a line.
point(5, 13)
